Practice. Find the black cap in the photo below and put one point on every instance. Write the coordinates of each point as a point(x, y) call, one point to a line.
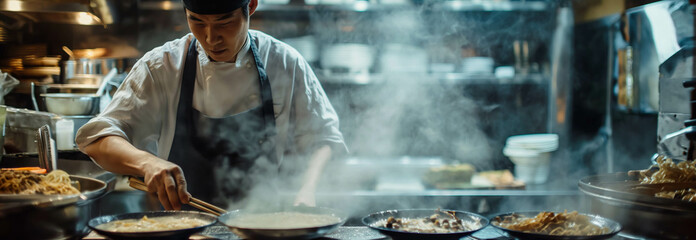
point(213, 6)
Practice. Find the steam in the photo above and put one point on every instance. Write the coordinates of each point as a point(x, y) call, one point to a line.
point(406, 114)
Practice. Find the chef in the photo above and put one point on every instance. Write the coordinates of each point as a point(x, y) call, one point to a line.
point(215, 113)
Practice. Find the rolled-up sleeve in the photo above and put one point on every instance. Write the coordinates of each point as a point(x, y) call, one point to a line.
point(134, 113)
point(315, 121)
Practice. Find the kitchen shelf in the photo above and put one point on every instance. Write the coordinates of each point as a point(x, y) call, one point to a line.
point(446, 78)
point(366, 6)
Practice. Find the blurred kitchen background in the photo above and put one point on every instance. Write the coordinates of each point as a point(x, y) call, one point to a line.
point(421, 86)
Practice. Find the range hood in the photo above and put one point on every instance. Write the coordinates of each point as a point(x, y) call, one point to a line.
point(82, 12)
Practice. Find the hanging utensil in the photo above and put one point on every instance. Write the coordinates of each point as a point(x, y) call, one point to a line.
point(69, 52)
point(47, 154)
point(105, 81)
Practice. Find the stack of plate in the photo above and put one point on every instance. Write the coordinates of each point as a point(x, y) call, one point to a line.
point(534, 142)
point(532, 155)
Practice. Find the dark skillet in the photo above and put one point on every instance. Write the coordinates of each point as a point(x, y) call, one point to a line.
point(371, 219)
point(613, 226)
point(289, 233)
point(168, 234)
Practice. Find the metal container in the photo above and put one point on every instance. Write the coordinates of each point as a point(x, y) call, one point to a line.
point(91, 70)
point(50, 216)
point(640, 215)
point(654, 33)
point(71, 103)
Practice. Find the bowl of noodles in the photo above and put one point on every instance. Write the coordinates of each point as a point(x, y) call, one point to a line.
point(152, 225)
point(556, 225)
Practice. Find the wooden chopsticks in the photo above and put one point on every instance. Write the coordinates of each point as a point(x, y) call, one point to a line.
point(194, 202)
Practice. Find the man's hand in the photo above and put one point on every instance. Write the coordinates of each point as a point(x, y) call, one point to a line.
point(167, 180)
point(117, 155)
point(305, 197)
point(316, 165)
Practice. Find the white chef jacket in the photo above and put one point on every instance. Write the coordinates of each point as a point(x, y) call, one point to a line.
point(144, 108)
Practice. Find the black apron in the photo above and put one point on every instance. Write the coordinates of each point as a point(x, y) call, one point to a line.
point(223, 158)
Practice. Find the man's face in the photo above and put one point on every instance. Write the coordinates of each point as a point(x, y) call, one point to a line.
point(221, 35)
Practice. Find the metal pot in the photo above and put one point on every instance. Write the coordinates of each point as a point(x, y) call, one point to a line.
point(77, 71)
point(50, 216)
point(71, 103)
point(640, 215)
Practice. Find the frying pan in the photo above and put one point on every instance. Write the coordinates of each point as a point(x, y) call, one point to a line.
point(613, 226)
point(182, 234)
point(292, 233)
point(371, 219)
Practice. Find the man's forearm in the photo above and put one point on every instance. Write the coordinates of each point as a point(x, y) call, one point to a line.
point(317, 161)
point(117, 155)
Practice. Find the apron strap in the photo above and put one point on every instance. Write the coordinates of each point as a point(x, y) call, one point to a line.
point(266, 96)
point(184, 109)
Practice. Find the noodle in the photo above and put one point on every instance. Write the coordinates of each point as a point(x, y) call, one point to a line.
point(670, 172)
point(688, 194)
point(558, 224)
point(25, 182)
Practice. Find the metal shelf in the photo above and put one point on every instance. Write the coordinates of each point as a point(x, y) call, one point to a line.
point(366, 6)
point(440, 78)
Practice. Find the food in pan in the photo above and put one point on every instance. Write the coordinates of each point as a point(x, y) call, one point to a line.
point(146, 224)
point(670, 172)
point(282, 220)
point(688, 194)
point(440, 222)
point(550, 223)
point(25, 182)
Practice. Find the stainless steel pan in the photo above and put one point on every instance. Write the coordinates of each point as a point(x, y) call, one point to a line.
point(182, 234)
point(613, 226)
point(292, 233)
point(371, 219)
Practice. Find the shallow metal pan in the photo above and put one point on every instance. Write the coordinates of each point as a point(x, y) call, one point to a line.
point(613, 226)
point(294, 233)
point(371, 219)
point(168, 234)
point(617, 186)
